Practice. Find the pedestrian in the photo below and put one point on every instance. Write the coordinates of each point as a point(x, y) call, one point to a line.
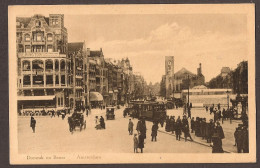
point(211, 127)
point(33, 124)
point(216, 143)
point(203, 128)
point(220, 132)
point(239, 139)
point(102, 122)
point(86, 112)
point(138, 126)
point(143, 128)
point(236, 136)
point(52, 114)
point(192, 124)
point(130, 127)
point(186, 131)
point(172, 124)
point(154, 131)
point(141, 142)
point(167, 126)
point(135, 143)
point(245, 139)
point(178, 129)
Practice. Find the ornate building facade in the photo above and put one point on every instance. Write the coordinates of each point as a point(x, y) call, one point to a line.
point(43, 65)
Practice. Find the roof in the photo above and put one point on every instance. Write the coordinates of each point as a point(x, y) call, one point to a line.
point(182, 72)
point(72, 47)
point(225, 70)
point(24, 20)
point(199, 87)
point(95, 53)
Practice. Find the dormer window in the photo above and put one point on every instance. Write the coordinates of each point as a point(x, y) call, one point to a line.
point(37, 23)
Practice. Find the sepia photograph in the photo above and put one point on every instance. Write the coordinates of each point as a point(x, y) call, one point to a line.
point(132, 84)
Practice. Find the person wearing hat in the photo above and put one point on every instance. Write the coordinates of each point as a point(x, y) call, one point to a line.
point(33, 124)
point(211, 127)
point(141, 142)
point(192, 125)
point(135, 143)
point(216, 143)
point(154, 131)
point(178, 128)
point(130, 127)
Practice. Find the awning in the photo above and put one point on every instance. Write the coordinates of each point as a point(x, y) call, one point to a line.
point(36, 97)
point(95, 96)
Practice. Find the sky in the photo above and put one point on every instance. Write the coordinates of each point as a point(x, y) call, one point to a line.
point(214, 40)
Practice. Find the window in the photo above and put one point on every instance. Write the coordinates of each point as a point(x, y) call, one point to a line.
point(56, 65)
point(58, 101)
point(49, 48)
point(63, 79)
point(49, 79)
point(27, 80)
point(37, 23)
point(38, 80)
point(57, 80)
point(49, 37)
point(26, 65)
point(62, 65)
point(61, 102)
point(48, 65)
point(27, 37)
point(27, 48)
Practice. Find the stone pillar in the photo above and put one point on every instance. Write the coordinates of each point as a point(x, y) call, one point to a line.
point(31, 74)
point(54, 76)
point(59, 74)
point(44, 74)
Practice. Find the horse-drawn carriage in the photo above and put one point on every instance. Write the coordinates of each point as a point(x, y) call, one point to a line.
point(76, 120)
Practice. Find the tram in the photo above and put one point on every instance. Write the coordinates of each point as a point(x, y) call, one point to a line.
point(152, 111)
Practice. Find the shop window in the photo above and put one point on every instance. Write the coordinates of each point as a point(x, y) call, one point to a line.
point(61, 102)
point(58, 101)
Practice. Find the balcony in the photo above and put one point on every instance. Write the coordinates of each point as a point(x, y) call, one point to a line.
point(41, 42)
point(41, 54)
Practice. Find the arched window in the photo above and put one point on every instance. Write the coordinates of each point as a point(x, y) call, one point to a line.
point(27, 37)
point(62, 65)
point(26, 65)
point(37, 65)
point(56, 65)
point(38, 23)
point(48, 65)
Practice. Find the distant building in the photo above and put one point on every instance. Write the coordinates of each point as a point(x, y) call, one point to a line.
point(185, 79)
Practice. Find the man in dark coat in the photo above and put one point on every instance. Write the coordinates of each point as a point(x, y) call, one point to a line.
point(220, 132)
point(203, 128)
point(211, 126)
point(33, 124)
point(216, 143)
point(245, 140)
point(141, 142)
point(102, 122)
point(154, 131)
point(197, 127)
point(178, 127)
point(239, 139)
point(186, 130)
point(130, 127)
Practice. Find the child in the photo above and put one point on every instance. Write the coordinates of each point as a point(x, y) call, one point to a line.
point(135, 143)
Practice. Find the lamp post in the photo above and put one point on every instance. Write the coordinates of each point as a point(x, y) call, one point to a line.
point(228, 110)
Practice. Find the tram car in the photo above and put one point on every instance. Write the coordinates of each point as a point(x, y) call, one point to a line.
point(152, 111)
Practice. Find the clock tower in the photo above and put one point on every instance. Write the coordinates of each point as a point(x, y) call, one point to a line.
point(169, 74)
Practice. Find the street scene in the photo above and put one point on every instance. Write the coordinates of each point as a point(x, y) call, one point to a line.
point(177, 84)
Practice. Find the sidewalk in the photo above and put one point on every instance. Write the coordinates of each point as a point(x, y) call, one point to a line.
point(229, 129)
